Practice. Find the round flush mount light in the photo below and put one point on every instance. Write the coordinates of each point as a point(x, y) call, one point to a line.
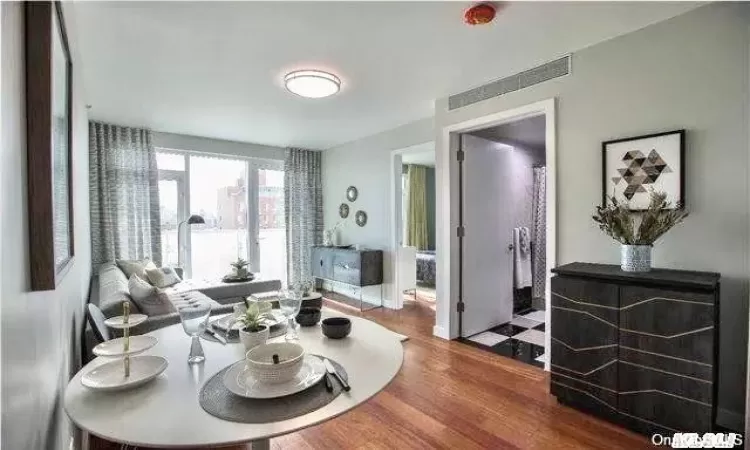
point(312, 83)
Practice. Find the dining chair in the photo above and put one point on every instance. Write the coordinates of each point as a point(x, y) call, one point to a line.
point(96, 320)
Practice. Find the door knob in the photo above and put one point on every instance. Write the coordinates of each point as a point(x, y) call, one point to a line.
point(510, 247)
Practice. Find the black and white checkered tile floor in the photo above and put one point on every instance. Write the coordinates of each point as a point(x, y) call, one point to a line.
point(522, 338)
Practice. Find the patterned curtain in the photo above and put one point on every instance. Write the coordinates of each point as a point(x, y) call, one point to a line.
point(416, 220)
point(539, 233)
point(303, 210)
point(123, 180)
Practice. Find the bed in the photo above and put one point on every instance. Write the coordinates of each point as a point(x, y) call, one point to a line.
point(426, 267)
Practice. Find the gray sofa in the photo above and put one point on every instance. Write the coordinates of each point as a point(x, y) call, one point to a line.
point(109, 288)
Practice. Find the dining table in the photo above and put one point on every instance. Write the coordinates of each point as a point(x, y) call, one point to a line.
point(166, 412)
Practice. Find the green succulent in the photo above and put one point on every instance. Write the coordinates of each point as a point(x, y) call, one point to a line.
point(255, 317)
point(239, 264)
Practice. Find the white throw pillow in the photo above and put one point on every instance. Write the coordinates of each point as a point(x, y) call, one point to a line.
point(150, 300)
point(135, 266)
point(162, 277)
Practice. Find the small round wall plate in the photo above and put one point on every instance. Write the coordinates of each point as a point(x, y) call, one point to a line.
point(114, 347)
point(117, 322)
point(239, 381)
point(110, 376)
point(361, 218)
point(343, 210)
point(352, 193)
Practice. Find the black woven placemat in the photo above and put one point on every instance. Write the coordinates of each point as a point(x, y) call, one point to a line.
point(218, 401)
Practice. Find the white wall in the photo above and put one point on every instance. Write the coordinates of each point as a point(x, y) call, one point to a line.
point(366, 164)
point(688, 72)
point(40, 330)
point(207, 145)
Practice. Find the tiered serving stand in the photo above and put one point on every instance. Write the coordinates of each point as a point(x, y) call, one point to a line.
point(128, 369)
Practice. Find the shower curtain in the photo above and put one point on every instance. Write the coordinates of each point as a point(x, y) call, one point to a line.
point(539, 233)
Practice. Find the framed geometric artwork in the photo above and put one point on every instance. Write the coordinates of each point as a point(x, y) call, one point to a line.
point(633, 167)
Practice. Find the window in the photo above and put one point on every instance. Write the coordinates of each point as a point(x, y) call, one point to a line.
point(242, 204)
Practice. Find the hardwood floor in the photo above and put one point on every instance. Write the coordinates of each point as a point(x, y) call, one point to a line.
point(450, 395)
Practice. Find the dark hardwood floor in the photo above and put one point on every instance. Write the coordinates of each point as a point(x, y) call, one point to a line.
point(450, 395)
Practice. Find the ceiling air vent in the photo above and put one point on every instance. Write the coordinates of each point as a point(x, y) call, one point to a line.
point(554, 69)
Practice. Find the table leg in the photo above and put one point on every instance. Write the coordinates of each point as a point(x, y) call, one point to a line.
point(261, 444)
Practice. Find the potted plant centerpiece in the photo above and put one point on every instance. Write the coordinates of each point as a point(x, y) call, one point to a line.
point(239, 268)
point(255, 330)
point(637, 231)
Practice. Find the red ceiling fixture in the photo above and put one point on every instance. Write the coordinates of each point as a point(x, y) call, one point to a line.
point(480, 14)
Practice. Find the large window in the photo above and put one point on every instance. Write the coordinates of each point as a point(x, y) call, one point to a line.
point(242, 204)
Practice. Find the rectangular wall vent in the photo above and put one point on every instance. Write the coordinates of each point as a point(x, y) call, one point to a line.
point(554, 69)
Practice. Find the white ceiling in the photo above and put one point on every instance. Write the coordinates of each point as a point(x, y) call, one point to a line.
point(528, 132)
point(214, 69)
point(421, 158)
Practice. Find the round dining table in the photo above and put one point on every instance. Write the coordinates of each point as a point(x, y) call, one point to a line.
point(166, 412)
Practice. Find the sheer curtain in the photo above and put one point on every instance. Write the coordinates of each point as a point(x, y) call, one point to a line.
point(417, 209)
point(303, 210)
point(539, 233)
point(124, 199)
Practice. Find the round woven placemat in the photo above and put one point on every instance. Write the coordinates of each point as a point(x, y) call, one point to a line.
point(218, 401)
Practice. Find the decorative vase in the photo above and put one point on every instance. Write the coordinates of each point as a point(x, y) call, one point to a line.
point(252, 339)
point(241, 272)
point(635, 258)
point(328, 236)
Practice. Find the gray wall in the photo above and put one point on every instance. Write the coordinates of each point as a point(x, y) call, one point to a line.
point(688, 72)
point(366, 164)
point(40, 330)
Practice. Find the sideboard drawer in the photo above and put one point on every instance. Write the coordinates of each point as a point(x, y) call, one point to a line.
point(346, 267)
point(667, 322)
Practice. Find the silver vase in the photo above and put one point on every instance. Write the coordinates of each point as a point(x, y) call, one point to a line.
point(635, 258)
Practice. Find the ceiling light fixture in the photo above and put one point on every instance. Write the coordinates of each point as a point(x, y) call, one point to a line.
point(312, 83)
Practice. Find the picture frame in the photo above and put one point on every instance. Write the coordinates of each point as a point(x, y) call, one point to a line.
point(49, 117)
point(633, 166)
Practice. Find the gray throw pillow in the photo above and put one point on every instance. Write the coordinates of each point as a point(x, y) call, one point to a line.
point(135, 266)
point(150, 300)
point(162, 277)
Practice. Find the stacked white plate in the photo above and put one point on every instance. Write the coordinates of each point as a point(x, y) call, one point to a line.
point(240, 382)
point(110, 376)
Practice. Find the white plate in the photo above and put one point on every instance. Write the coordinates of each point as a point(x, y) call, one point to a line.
point(223, 322)
point(241, 383)
point(114, 347)
point(111, 376)
point(116, 322)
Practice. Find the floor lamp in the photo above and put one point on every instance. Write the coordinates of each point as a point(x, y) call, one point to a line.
point(192, 220)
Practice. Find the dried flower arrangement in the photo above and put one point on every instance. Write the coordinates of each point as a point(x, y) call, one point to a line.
point(638, 227)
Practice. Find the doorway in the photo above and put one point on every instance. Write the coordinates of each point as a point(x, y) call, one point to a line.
point(504, 250)
point(413, 228)
point(491, 304)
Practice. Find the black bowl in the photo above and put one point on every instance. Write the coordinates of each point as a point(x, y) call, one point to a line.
point(308, 317)
point(337, 327)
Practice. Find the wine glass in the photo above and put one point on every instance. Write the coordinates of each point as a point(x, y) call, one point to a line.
point(194, 317)
point(290, 303)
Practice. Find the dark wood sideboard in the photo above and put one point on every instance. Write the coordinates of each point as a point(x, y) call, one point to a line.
point(348, 266)
point(638, 349)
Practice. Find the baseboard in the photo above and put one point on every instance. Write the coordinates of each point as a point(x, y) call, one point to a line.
point(730, 420)
point(440, 332)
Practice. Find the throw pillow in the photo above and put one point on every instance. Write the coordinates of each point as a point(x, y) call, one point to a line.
point(135, 266)
point(162, 277)
point(150, 300)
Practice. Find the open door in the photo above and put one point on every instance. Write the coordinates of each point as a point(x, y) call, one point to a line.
point(486, 279)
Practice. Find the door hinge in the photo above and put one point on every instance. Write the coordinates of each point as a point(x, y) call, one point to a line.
point(460, 231)
point(460, 307)
point(460, 155)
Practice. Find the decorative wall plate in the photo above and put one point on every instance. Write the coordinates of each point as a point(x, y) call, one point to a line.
point(343, 210)
point(361, 218)
point(352, 193)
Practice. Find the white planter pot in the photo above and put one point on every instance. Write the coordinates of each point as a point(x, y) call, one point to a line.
point(251, 340)
point(635, 258)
